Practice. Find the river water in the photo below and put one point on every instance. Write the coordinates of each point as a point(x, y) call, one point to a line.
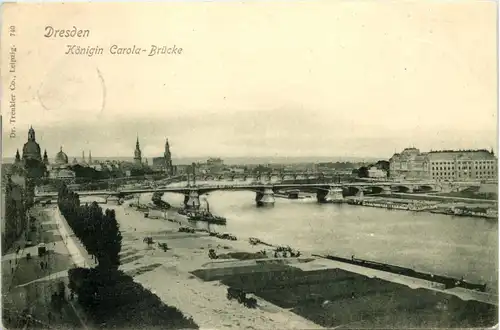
point(441, 244)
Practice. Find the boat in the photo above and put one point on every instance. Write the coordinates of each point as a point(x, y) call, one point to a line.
point(208, 217)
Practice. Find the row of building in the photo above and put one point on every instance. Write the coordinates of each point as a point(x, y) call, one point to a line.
point(411, 163)
point(444, 165)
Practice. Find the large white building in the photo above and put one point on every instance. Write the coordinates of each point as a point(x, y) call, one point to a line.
point(445, 165)
point(375, 172)
point(59, 169)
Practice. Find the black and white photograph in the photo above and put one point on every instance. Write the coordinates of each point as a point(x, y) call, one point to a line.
point(249, 165)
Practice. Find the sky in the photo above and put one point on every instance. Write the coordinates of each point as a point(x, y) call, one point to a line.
point(296, 79)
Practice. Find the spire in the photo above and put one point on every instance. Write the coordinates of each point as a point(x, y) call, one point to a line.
point(90, 156)
point(60, 148)
point(18, 157)
point(137, 152)
point(83, 156)
point(31, 134)
point(45, 157)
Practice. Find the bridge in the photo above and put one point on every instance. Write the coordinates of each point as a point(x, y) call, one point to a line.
point(325, 192)
point(272, 176)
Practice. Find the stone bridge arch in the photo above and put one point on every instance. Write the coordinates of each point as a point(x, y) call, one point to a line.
point(377, 189)
point(426, 188)
point(402, 188)
point(351, 190)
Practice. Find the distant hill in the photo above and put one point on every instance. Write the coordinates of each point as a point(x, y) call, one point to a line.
point(239, 160)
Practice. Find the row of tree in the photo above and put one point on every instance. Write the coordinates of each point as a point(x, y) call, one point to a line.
point(99, 232)
point(109, 296)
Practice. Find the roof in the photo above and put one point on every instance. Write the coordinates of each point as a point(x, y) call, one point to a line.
point(461, 154)
point(61, 157)
point(31, 149)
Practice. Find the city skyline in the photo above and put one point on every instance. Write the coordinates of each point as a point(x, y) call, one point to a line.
point(292, 158)
point(152, 143)
point(340, 87)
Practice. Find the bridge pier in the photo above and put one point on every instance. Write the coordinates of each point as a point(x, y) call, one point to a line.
point(265, 197)
point(360, 193)
point(386, 190)
point(332, 195)
point(192, 200)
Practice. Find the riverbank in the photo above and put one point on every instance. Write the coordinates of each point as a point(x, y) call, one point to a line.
point(415, 203)
point(201, 283)
point(205, 302)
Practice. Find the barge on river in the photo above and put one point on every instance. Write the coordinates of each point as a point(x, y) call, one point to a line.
point(449, 282)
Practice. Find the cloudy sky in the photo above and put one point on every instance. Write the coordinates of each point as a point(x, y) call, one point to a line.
point(336, 79)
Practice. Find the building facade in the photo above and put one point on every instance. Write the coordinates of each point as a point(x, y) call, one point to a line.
point(445, 165)
point(60, 169)
point(374, 172)
point(409, 164)
point(214, 165)
point(478, 165)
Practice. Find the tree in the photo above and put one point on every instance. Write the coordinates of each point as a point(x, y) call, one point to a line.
point(110, 243)
point(98, 232)
point(383, 165)
point(363, 172)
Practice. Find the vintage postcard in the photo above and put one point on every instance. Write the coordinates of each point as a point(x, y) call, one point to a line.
point(249, 165)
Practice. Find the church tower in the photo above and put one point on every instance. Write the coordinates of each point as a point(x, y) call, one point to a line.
point(137, 153)
point(18, 157)
point(90, 156)
point(45, 158)
point(168, 158)
point(31, 134)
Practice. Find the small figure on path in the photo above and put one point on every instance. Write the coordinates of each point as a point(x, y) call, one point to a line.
point(41, 264)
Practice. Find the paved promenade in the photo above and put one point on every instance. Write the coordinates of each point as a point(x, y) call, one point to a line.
point(29, 282)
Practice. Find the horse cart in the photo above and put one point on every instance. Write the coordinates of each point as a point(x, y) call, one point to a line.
point(241, 296)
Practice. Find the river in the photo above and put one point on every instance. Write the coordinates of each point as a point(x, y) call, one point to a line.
point(441, 244)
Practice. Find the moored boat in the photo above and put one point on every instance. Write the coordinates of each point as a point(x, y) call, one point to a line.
point(207, 217)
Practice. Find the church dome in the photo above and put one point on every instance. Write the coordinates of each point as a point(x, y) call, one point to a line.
point(61, 158)
point(31, 150)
